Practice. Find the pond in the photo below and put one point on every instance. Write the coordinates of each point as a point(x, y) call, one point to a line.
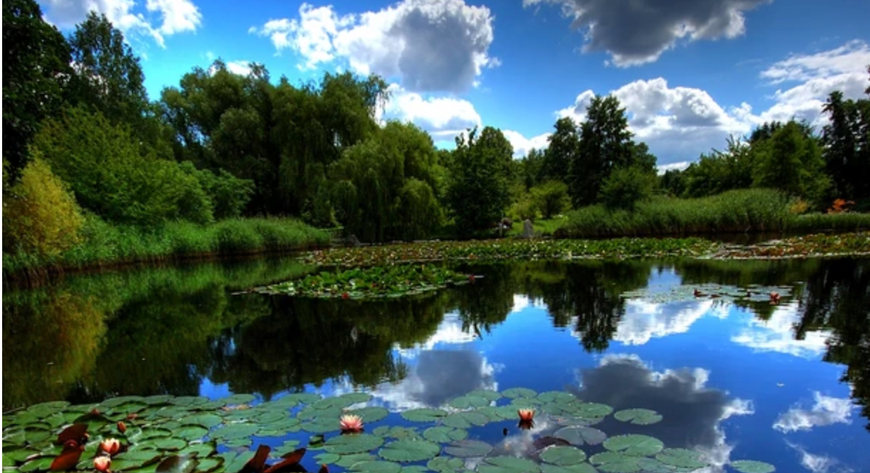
point(733, 374)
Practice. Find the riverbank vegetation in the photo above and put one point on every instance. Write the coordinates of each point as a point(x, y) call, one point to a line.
point(98, 173)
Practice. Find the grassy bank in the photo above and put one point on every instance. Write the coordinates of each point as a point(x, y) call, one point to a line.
point(105, 245)
point(740, 211)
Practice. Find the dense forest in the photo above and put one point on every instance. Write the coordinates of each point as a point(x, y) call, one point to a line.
point(85, 150)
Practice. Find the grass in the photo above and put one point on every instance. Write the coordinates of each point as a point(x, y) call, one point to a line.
point(107, 245)
point(738, 211)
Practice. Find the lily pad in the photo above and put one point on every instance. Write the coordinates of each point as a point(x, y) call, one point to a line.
point(505, 464)
point(423, 415)
point(563, 456)
point(236, 399)
point(235, 431)
point(376, 466)
point(581, 435)
point(578, 468)
point(443, 434)
point(371, 414)
point(486, 393)
point(326, 458)
point(205, 420)
point(638, 416)
point(556, 396)
point(445, 464)
point(613, 462)
point(468, 448)
point(469, 401)
point(590, 410)
point(752, 466)
point(409, 450)
point(635, 445)
point(348, 461)
point(681, 457)
point(191, 432)
point(177, 464)
point(466, 419)
point(321, 426)
point(348, 444)
point(514, 393)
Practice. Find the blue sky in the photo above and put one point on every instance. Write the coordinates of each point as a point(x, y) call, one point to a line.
point(689, 73)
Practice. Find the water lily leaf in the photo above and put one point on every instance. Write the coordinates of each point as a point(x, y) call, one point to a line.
point(37, 464)
point(445, 464)
point(200, 450)
point(133, 459)
point(356, 398)
point(19, 455)
point(468, 448)
point(581, 435)
point(504, 464)
point(487, 394)
point(47, 408)
point(636, 445)
point(514, 393)
point(371, 414)
point(321, 426)
point(409, 450)
point(348, 461)
point(191, 432)
point(397, 432)
point(563, 456)
point(347, 444)
point(153, 433)
point(177, 464)
point(188, 401)
point(423, 415)
point(414, 469)
point(752, 466)
point(204, 420)
point(333, 403)
point(578, 468)
point(239, 399)
point(117, 401)
point(376, 466)
point(638, 416)
point(166, 443)
point(235, 462)
point(467, 401)
point(235, 431)
point(442, 434)
point(270, 416)
point(240, 442)
point(651, 465)
point(613, 462)
point(304, 398)
point(592, 410)
point(556, 396)
point(206, 465)
point(35, 435)
point(464, 420)
point(327, 458)
point(157, 399)
point(681, 457)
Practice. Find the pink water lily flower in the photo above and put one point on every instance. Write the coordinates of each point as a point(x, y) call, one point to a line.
point(110, 446)
point(351, 423)
point(102, 464)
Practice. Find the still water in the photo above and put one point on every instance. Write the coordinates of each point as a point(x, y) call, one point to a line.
point(785, 383)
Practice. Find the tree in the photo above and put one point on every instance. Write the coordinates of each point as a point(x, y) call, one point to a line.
point(36, 60)
point(562, 150)
point(722, 170)
point(551, 197)
point(791, 162)
point(605, 144)
point(846, 141)
point(480, 190)
point(532, 166)
point(625, 187)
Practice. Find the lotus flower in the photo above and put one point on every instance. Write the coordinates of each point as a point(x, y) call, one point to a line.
point(102, 463)
point(351, 423)
point(110, 446)
point(526, 415)
point(122, 427)
point(774, 298)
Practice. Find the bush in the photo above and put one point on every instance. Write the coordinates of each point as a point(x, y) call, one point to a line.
point(551, 198)
point(624, 188)
point(227, 194)
point(40, 214)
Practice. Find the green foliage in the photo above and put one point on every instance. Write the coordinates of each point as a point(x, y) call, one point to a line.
point(625, 187)
point(227, 194)
point(35, 57)
point(111, 178)
point(792, 162)
point(551, 198)
point(479, 188)
point(720, 171)
point(846, 139)
point(563, 147)
point(40, 215)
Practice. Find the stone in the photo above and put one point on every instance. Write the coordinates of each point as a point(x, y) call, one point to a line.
point(528, 229)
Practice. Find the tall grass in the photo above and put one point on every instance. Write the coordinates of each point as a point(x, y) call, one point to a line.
point(109, 245)
point(745, 210)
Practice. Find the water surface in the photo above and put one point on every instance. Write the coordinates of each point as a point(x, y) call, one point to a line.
point(787, 383)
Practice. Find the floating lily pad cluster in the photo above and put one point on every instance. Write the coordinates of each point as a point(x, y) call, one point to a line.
point(682, 293)
point(160, 434)
point(375, 282)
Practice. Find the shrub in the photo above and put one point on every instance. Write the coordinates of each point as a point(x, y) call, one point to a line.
point(40, 214)
point(624, 188)
point(551, 197)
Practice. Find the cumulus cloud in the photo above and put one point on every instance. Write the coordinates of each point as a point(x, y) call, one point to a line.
point(777, 334)
point(523, 145)
point(442, 117)
point(692, 412)
point(429, 45)
point(172, 16)
point(645, 320)
point(826, 411)
point(639, 31)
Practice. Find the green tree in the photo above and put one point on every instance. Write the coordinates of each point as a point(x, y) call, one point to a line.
point(562, 150)
point(792, 162)
point(531, 166)
point(605, 144)
point(673, 182)
point(551, 197)
point(625, 187)
point(846, 140)
point(480, 189)
point(36, 66)
point(722, 170)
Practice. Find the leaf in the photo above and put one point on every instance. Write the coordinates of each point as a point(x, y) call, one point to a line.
point(445, 464)
point(581, 435)
point(681, 457)
point(465, 402)
point(638, 416)
point(409, 450)
point(578, 468)
point(563, 456)
point(442, 434)
point(633, 444)
point(371, 414)
point(205, 465)
point(327, 458)
point(37, 464)
point(236, 399)
point(321, 426)
point(613, 462)
point(504, 464)
point(165, 443)
point(514, 393)
point(357, 443)
point(465, 420)
point(177, 464)
point(356, 398)
point(134, 459)
point(191, 432)
point(487, 394)
point(235, 431)
point(348, 461)
point(592, 410)
point(752, 466)
point(468, 448)
point(423, 415)
point(376, 466)
point(556, 396)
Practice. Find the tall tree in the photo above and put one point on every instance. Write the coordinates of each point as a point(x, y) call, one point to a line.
point(480, 189)
point(605, 143)
point(846, 140)
point(791, 162)
point(563, 147)
point(108, 76)
point(36, 60)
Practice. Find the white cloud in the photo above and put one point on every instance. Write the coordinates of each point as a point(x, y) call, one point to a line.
point(826, 411)
point(679, 166)
point(239, 67)
point(175, 16)
point(644, 320)
point(818, 463)
point(523, 145)
point(777, 334)
point(443, 117)
point(430, 45)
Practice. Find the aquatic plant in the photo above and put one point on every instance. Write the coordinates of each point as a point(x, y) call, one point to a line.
point(191, 433)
